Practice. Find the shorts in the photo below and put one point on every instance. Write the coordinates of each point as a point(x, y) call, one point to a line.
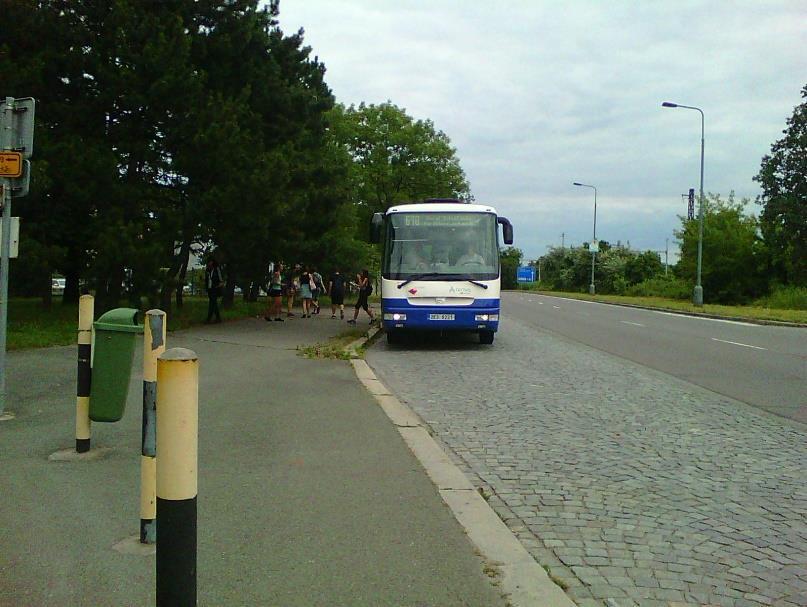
point(275, 293)
point(338, 298)
point(315, 294)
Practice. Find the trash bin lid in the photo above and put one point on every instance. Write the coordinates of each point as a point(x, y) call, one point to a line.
point(120, 319)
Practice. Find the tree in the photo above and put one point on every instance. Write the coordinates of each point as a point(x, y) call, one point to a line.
point(783, 178)
point(395, 158)
point(730, 251)
point(510, 260)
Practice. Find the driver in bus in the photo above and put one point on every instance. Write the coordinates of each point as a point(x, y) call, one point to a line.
point(416, 258)
point(471, 257)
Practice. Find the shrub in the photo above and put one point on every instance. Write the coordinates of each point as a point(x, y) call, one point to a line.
point(661, 286)
point(785, 298)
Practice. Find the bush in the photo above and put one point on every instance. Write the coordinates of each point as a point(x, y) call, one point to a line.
point(785, 298)
point(670, 287)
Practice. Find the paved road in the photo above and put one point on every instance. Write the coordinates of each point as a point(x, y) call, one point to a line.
point(308, 496)
point(632, 486)
point(765, 366)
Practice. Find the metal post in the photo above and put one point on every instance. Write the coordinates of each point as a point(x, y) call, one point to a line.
point(697, 296)
point(153, 346)
point(5, 245)
point(86, 313)
point(177, 444)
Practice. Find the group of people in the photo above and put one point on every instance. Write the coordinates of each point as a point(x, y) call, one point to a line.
point(307, 284)
point(303, 282)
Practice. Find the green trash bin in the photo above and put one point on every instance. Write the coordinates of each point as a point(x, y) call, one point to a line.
point(113, 351)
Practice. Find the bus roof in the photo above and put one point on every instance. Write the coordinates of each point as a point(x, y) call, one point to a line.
point(441, 207)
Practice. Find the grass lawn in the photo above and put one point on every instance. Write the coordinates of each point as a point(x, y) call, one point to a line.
point(739, 312)
point(32, 326)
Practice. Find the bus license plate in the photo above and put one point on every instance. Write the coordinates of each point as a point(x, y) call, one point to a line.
point(441, 317)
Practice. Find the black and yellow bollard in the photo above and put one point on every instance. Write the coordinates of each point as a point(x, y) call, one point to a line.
point(86, 312)
point(153, 346)
point(177, 446)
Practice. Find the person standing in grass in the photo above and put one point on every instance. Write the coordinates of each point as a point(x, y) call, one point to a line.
point(275, 295)
point(336, 289)
point(213, 284)
point(365, 289)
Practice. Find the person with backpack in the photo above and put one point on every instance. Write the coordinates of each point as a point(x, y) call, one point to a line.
point(365, 289)
point(318, 289)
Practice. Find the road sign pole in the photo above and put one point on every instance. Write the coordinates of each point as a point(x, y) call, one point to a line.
point(5, 246)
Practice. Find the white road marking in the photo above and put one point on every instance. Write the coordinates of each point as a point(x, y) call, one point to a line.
point(732, 322)
point(736, 343)
point(540, 303)
point(556, 307)
point(635, 324)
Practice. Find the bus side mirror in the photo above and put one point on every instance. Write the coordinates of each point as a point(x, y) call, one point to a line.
point(507, 230)
point(376, 223)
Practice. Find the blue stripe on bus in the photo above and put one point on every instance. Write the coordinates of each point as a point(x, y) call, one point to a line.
point(417, 317)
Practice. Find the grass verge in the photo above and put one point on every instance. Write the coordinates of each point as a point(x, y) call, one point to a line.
point(30, 325)
point(738, 312)
point(334, 348)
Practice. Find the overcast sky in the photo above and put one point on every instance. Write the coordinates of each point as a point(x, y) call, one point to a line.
point(538, 94)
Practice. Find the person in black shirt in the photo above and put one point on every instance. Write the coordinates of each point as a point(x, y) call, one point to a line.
point(336, 289)
point(365, 289)
point(213, 284)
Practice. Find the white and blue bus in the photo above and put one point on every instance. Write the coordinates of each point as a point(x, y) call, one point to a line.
point(440, 267)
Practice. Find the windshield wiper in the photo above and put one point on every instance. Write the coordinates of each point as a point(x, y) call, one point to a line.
point(418, 277)
point(449, 277)
point(476, 282)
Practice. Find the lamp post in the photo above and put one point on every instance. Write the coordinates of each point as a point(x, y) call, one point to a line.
point(697, 296)
point(591, 289)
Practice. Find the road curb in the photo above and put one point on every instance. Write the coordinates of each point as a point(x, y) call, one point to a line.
point(755, 321)
point(523, 580)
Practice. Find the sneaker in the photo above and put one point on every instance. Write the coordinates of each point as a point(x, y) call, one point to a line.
point(341, 315)
point(289, 314)
point(267, 318)
point(333, 316)
point(278, 319)
point(351, 322)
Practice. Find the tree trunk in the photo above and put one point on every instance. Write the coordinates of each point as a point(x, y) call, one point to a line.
point(229, 288)
point(71, 289)
point(47, 291)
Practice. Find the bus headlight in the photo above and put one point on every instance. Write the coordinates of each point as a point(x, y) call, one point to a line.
point(395, 316)
point(486, 317)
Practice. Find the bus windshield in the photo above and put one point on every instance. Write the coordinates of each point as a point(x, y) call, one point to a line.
point(441, 246)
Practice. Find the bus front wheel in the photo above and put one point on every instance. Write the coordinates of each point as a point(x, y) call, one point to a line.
point(486, 337)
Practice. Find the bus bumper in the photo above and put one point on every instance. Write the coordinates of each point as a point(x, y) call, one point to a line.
point(439, 318)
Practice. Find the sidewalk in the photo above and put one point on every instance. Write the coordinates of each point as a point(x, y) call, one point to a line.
point(307, 494)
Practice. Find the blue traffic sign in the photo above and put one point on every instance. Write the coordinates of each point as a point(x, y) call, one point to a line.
point(525, 274)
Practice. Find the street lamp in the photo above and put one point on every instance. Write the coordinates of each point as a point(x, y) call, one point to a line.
point(697, 296)
point(593, 254)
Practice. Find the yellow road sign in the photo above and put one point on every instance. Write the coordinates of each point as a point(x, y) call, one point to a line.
point(10, 164)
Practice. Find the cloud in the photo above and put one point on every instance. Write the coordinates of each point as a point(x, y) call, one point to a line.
point(535, 95)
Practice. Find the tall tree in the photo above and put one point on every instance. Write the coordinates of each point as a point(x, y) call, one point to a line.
point(395, 157)
point(730, 251)
point(783, 177)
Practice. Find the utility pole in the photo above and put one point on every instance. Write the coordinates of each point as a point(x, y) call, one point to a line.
point(562, 241)
point(666, 254)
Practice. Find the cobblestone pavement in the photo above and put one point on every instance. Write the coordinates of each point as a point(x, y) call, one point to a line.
point(632, 487)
